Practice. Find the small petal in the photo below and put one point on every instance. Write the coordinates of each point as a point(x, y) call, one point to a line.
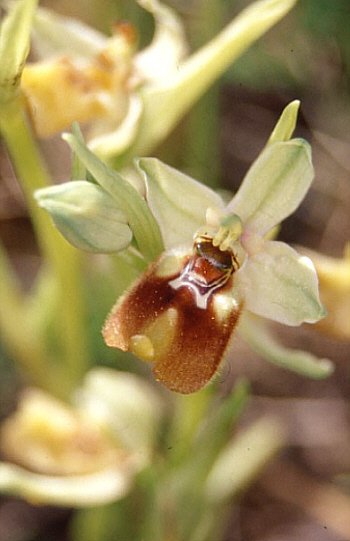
point(87, 216)
point(140, 219)
point(178, 202)
point(279, 284)
point(14, 46)
point(274, 186)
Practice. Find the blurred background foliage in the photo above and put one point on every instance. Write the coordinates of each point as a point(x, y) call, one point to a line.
point(306, 56)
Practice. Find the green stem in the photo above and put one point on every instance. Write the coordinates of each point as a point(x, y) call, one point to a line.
point(64, 260)
point(189, 411)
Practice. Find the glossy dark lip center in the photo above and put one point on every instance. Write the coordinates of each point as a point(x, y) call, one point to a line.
point(206, 271)
point(220, 259)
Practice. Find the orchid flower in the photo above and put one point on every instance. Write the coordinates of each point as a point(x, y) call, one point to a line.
point(83, 455)
point(128, 100)
point(211, 260)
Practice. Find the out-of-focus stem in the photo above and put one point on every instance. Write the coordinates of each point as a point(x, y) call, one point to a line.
point(189, 412)
point(64, 260)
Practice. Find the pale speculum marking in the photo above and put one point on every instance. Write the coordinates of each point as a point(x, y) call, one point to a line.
point(208, 270)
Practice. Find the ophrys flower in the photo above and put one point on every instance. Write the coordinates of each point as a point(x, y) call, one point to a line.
point(182, 312)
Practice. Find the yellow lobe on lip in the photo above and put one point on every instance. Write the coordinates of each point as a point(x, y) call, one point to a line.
point(162, 331)
point(141, 346)
point(158, 337)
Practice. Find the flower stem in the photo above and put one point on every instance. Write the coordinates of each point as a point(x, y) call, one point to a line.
point(64, 260)
point(189, 412)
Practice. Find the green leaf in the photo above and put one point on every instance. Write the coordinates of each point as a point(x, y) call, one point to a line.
point(255, 332)
point(87, 216)
point(178, 202)
point(274, 186)
point(14, 45)
point(279, 284)
point(242, 460)
point(139, 217)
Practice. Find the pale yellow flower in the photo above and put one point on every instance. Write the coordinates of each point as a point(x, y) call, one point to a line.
point(129, 100)
point(81, 455)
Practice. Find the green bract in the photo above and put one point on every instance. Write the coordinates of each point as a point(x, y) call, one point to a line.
point(285, 126)
point(274, 186)
point(177, 201)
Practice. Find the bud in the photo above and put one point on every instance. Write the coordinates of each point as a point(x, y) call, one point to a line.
point(87, 216)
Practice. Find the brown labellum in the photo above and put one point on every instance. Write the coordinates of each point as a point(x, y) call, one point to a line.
point(179, 315)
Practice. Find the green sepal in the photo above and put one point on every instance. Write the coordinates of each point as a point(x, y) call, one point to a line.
point(279, 284)
point(178, 202)
point(274, 186)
